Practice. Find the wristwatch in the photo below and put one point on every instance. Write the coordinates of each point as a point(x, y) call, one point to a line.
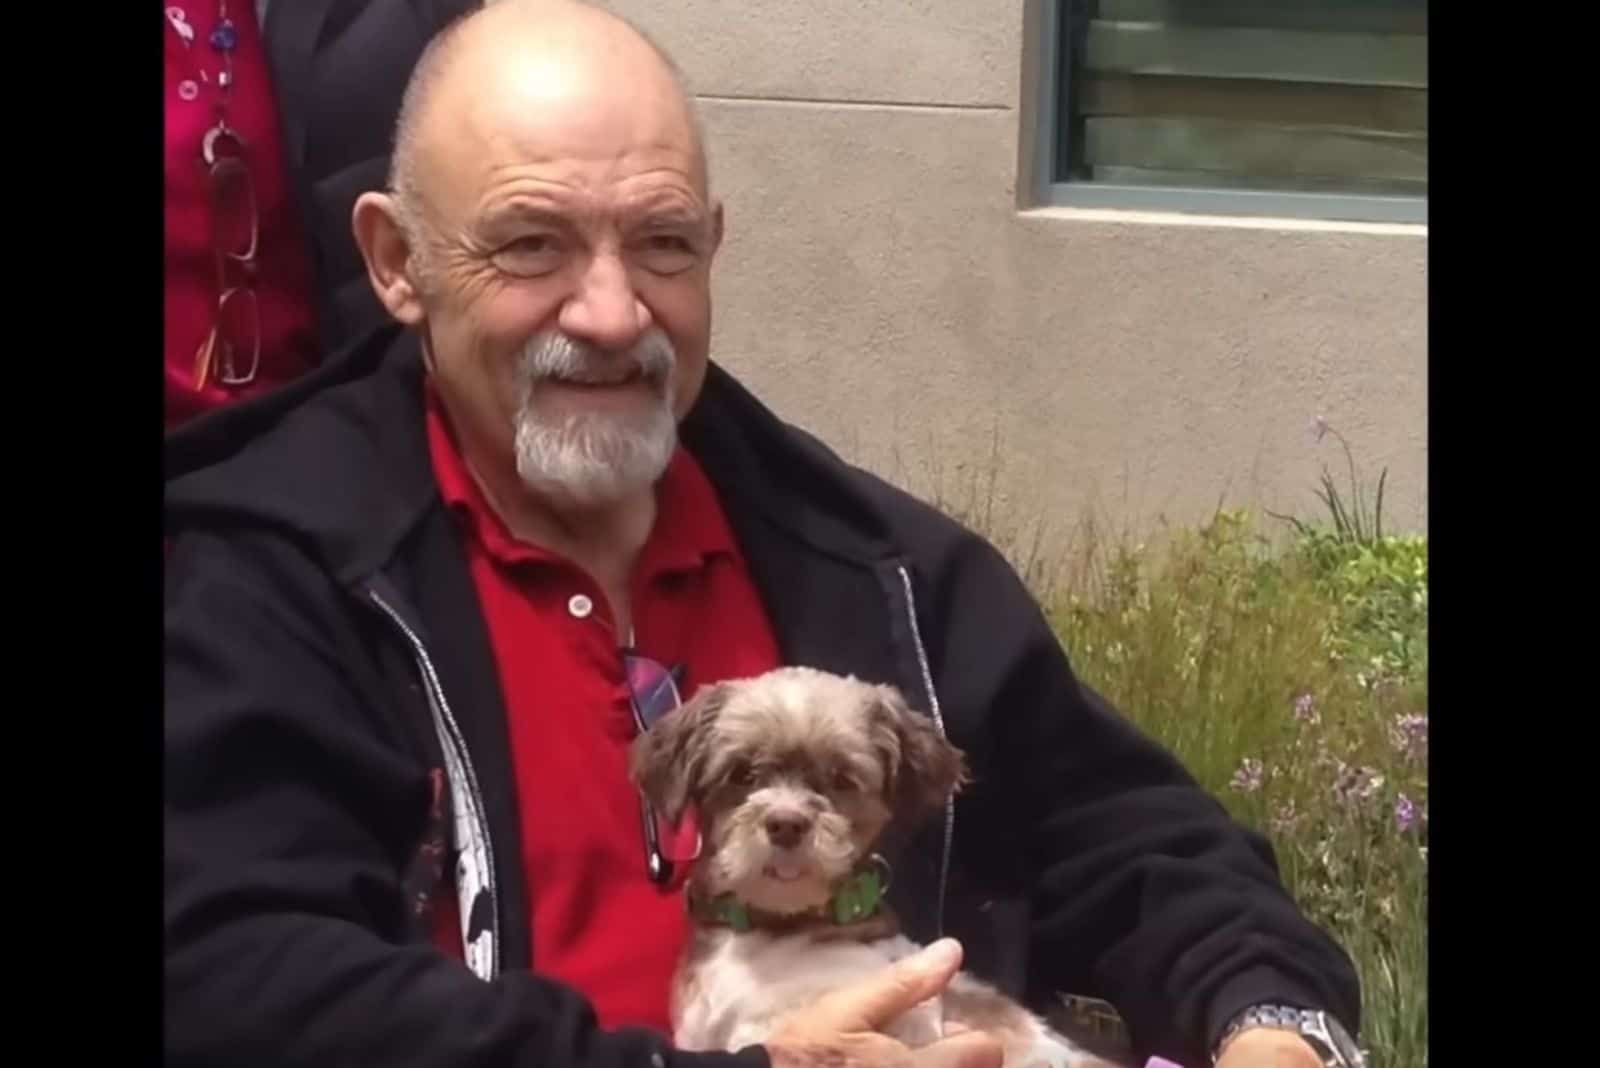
point(1325, 1034)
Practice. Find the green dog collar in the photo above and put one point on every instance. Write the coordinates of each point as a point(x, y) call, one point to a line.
point(860, 896)
point(727, 911)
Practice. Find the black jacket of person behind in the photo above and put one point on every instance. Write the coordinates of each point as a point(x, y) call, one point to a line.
point(339, 70)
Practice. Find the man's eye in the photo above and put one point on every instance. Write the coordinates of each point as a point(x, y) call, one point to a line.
point(531, 254)
point(669, 243)
point(666, 253)
point(530, 245)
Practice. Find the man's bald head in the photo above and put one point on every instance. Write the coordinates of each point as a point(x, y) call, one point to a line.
point(495, 44)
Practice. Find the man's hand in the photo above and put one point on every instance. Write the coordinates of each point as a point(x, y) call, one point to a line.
point(841, 1029)
point(1262, 1047)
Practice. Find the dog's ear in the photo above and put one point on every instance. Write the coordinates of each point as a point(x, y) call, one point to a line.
point(921, 768)
point(668, 761)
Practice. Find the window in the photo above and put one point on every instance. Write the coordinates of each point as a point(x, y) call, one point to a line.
point(1309, 108)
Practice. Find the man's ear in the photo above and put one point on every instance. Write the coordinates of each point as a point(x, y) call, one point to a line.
point(387, 254)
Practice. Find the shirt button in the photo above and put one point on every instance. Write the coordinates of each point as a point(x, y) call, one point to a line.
point(580, 606)
point(188, 89)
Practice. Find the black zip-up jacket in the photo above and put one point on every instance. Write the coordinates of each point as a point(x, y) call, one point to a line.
point(325, 654)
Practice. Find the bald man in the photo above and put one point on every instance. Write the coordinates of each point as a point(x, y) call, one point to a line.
point(418, 603)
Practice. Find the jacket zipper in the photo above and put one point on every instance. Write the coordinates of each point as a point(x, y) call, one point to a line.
point(475, 872)
point(938, 719)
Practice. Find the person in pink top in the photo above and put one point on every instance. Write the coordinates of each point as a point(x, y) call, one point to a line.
point(278, 114)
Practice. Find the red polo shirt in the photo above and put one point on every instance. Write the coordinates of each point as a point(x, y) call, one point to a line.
point(598, 922)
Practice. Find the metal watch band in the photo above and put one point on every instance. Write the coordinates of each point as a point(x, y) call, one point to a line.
point(1324, 1033)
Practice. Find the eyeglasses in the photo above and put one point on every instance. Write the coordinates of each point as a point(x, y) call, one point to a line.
point(234, 343)
point(653, 695)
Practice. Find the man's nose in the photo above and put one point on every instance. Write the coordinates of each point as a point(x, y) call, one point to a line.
point(605, 310)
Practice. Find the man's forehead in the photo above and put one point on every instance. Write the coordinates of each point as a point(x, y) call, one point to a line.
point(565, 121)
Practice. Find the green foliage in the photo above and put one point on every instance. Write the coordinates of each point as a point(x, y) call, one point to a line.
point(1292, 681)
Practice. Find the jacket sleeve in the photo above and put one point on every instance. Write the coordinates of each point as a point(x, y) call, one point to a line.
point(1144, 891)
point(286, 832)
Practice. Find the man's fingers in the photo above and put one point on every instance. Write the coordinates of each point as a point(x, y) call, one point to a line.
point(872, 1003)
point(972, 1049)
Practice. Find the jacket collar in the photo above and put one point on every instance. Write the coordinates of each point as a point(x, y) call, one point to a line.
point(337, 459)
point(780, 475)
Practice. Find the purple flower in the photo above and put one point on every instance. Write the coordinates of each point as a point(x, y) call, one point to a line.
point(1285, 817)
point(1409, 736)
point(1247, 780)
point(1319, 427)
point(1405, 814)
point(1305, 709)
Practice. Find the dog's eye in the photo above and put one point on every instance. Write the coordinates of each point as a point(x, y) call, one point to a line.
point(740, 774)
point(843, 782)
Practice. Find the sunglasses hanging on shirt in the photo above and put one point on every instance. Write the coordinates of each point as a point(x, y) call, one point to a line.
point(653, 695)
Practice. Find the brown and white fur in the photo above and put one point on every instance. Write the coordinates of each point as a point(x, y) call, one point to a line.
point(794, 775)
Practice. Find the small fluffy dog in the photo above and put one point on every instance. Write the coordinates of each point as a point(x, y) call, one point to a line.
point(793, 776)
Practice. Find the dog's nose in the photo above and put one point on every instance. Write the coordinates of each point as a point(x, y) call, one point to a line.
point(785, 829)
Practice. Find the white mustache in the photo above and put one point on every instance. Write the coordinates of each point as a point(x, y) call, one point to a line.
point(553, 354)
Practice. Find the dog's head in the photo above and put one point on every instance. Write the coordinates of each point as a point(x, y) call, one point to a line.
point(793, 775)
